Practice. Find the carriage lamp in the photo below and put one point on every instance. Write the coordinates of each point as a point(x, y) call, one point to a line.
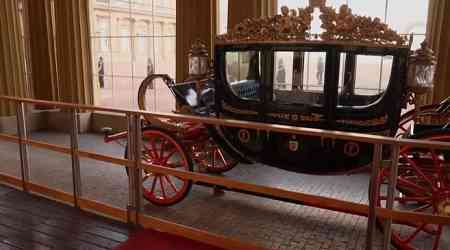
point(198, 60)
point(422, 66)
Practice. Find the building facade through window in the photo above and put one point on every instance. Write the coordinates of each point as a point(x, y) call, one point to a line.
point(131, 39)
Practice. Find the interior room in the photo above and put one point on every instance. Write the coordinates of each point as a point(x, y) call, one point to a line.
point(225, 124)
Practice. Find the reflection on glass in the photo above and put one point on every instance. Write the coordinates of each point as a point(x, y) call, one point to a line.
point(363, 78)
point(243, 73)
point(299, 77)
point(424, 75)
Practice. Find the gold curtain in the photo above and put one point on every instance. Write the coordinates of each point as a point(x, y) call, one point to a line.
point(438, 36)
point(12, 60)
point(238, 10)
point(73, 53)
point(195, 20)
point(42, 50)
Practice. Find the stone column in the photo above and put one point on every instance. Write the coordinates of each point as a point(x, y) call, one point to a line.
point(42, 50)
point(12, 60)
point(438, 36)
point(73, 53)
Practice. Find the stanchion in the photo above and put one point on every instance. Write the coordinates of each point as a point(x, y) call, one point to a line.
point(131, 150)
point(137, 171)
point(76, 172)
point(391, 195)
point(376, 163)
point(23, 147)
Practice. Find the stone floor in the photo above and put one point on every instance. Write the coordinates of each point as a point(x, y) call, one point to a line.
point(273, 224)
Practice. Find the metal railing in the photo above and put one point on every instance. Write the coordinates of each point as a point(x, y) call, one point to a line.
point(133, 213)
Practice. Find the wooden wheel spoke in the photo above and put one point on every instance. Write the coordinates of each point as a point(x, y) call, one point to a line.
point(171, 184)
point(438, 238)
point(163, 191)
point(418, 170)
point(163, 145)
point(154, 149)
point(222, 156)
point(154, 185)
point(149, 150)
point(406, 184)
point(416, 232)
point(171, 153)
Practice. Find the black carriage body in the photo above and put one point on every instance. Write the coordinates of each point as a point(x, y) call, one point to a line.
point(335, 107)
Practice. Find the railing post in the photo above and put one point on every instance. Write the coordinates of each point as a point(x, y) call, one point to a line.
point(391, 195)
point(132, 206)
point(377, 157)
point(137, 171)
point(76, 172)
point(23, 146)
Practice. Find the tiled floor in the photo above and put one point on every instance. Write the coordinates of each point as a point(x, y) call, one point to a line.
point(273, 224)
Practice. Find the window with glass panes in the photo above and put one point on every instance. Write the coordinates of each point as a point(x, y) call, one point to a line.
point(373, 72)
point(131, 39)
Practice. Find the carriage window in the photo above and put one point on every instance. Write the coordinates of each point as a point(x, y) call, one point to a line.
point(299, 77)
point(243, 73)
point(363, 78)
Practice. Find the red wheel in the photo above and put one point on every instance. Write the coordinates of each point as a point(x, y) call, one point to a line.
point(218, 161)
point(423, 186)
point(164, 150)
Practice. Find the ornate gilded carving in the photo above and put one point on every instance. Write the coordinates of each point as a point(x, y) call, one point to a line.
point(295, 24)
point(290, 25)
point(345, 26)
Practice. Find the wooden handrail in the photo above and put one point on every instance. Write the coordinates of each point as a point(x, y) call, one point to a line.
point(358, 137)
point(298, 197)
point(306, 199)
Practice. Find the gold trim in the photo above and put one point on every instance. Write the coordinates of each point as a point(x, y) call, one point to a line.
point(372, 122)
point(231, 109)
point(295, 25)
point(297, 118)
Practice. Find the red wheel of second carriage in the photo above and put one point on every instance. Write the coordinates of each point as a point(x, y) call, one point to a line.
point(423, 186)
point(164, 150)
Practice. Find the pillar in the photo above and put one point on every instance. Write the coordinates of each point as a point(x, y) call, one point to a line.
point(12, 60)
point(195, 20)
point(438, 36)
point(239, 10)
point(42, 50)
point(73, 53)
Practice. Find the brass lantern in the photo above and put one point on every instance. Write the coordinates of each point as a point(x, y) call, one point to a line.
point(422, 67)
point(198, 60)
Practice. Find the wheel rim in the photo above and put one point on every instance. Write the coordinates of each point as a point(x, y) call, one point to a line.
point(162, 150)
point(218, 161)
point(423, 185)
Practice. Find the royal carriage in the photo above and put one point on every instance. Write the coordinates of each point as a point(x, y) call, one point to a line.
point(273, 70)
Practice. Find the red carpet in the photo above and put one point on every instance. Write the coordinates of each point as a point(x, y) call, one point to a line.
point(153, 240)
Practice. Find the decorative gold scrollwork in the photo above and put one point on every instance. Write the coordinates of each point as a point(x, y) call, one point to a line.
point(295, 24)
